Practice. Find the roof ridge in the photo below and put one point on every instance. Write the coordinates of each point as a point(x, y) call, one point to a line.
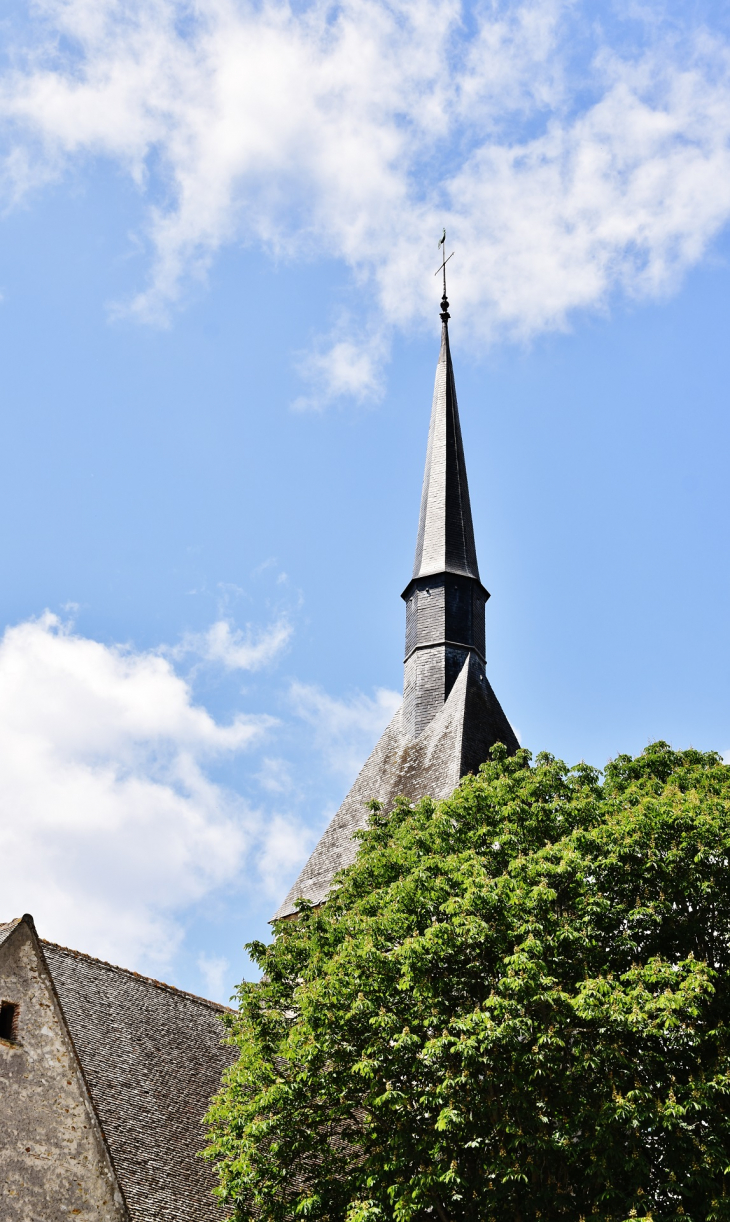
point(159, 984)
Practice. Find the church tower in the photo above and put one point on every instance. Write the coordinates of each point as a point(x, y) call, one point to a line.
point(445, 599)
point(450, 717)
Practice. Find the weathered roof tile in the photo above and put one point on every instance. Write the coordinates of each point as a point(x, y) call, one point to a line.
point(152, 1058)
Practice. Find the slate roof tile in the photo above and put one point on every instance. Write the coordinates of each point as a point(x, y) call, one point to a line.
point(152, 1058)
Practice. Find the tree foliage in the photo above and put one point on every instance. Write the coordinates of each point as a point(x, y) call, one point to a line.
point(514, 1005)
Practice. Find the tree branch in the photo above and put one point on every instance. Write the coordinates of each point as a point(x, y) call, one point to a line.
point(440, 1209)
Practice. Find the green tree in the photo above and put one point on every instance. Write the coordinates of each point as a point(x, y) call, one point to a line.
point(514, 1005)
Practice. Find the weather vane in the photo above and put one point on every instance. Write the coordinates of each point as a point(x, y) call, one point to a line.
point(442, 268)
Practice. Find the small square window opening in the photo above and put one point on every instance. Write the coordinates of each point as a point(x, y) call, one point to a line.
point(8, 1020)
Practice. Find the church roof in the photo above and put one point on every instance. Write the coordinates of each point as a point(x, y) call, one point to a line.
point(152, 1058)
point(445, 542)
point(457, 741)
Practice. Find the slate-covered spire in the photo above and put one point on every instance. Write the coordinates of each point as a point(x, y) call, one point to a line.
point(450, 717)
point(444, 599)
point(445, 542)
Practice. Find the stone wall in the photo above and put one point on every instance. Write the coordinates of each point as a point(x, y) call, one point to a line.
point(53, 1162)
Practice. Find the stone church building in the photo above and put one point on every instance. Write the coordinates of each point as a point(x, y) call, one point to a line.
point(104, 1078)
point(105, 1075)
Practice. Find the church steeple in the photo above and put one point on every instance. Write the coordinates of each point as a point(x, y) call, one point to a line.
point(450, 717)
point(445, 542)
point(444, 599)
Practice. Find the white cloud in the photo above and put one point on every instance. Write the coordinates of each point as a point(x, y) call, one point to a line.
point(234, 648)
point(111, 825)
point(563, 165)
point(346, 367)
point(345, 731)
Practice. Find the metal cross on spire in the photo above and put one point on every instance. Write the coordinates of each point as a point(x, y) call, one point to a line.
point(442, 268)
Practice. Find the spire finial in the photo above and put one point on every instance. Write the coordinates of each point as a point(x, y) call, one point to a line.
point(445, 316)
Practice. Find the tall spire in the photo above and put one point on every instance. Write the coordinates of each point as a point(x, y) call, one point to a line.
point(445, 542)
point(444, 599)
point(450, 717)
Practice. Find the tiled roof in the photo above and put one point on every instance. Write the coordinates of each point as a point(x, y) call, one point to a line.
point(6, 928)
point(152, 1058)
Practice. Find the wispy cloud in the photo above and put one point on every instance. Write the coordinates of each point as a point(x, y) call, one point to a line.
point(344, 731)
point(345, 367)
point(568, 158)
point(236, 648)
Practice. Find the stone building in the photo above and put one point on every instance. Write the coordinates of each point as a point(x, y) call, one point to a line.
point(450, 717)
point(105, 1076)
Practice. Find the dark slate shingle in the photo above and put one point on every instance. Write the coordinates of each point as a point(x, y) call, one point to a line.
point(152, 1058)
point(445, 540)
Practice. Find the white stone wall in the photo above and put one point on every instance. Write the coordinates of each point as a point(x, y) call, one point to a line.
point(53, 1163)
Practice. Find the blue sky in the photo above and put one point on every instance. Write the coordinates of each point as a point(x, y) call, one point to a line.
point(218, 336)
